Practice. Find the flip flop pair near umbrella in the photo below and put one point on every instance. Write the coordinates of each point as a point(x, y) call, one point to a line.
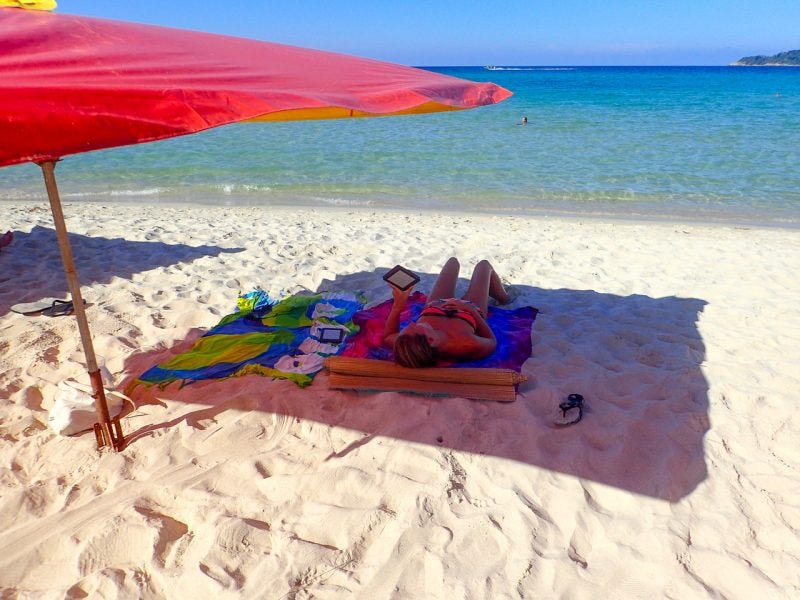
point(72, 84)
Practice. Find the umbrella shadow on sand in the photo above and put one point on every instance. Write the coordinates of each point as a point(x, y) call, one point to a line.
point(636, 360)
point(31, 268)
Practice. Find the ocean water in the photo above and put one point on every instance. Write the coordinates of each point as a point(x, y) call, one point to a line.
point(698, 143)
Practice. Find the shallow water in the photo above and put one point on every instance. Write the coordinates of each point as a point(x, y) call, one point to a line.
point(704, 143)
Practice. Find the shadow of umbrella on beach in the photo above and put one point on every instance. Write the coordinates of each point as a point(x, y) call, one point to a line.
point(29, 265)
point(73, 84)
point(638, 359)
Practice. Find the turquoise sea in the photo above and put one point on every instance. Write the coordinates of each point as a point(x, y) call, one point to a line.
point(698, 143)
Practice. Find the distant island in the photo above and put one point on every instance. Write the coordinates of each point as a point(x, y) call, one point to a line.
point(782, 59)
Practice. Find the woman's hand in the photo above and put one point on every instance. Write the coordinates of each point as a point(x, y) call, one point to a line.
point(482, 330)
point(400, 297)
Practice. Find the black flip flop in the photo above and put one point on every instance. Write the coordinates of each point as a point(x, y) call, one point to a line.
point(572, 401)
point(59, 308)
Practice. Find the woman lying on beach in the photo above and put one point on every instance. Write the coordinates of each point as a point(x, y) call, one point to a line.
point(448, 328)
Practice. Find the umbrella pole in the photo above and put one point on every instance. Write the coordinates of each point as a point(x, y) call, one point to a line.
point(108, 432)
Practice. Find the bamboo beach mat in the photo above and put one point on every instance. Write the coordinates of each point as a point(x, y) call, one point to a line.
point(379, 375)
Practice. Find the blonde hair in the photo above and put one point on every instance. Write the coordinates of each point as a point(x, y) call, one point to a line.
point(413, 350)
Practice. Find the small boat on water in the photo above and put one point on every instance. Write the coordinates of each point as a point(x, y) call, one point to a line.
point(490, 68)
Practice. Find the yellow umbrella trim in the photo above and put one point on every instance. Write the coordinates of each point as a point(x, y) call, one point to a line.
point(30, 4)
point(336, 112)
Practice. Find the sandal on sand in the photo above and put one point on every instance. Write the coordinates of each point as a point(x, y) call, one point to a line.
point(59, 308)
point(572, 401)
point(31, 308)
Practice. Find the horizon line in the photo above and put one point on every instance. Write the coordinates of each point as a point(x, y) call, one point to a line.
point(575, 66)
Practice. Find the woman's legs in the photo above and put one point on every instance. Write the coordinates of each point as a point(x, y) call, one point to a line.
point(485, 282)
point(445, 286)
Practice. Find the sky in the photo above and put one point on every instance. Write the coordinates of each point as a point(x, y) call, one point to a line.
point(488, 32)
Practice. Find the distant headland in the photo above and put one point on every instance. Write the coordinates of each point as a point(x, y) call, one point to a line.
point(782, 59)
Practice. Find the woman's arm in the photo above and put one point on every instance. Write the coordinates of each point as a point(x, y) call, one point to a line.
point(485, 341)
point(483, 330)
point(392, 326)
point(472, 346)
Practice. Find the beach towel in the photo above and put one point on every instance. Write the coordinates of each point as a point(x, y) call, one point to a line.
point(278, 339)
point(512, 328)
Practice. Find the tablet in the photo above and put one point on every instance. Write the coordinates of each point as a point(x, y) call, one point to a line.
point(401, 278)
point(330, 335)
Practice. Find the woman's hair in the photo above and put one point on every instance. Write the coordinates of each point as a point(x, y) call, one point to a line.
point(413, 350)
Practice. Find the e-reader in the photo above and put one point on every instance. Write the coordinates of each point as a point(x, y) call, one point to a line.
point(401, 278)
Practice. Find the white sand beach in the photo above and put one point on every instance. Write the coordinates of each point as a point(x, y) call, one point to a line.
point(681, 481)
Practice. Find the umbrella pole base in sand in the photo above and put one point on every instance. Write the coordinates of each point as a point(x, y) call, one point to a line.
point(112, 437)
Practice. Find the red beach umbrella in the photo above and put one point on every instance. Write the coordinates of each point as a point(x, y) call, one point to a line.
point(72, 84)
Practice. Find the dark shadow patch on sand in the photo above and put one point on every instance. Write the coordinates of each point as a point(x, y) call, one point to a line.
point(28, 265)
point(636, 359)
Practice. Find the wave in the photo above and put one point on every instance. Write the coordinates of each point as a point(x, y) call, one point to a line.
point(343, 201)
point(89, 193)
point(530, 68)
point(144, 192)
point(233, 188)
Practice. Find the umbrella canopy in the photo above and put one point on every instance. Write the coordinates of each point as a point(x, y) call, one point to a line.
point(73, 84)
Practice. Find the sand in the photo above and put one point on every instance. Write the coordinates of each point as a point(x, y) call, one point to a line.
point(681, 481)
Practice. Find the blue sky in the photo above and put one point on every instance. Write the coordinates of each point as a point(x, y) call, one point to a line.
point(513, 32)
